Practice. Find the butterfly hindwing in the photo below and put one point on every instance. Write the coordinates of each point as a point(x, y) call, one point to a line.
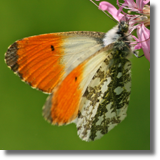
point(65, 103)
point(45, 60)
point(106, 99)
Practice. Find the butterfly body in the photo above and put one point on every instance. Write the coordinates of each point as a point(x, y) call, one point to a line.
point(86, 74)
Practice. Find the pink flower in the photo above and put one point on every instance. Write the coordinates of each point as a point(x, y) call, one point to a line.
point(143, 40)
point(143, 33)
point(139, 7)
point(136, 21)
point(106, 6)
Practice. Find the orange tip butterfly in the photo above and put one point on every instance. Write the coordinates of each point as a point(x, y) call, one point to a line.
point(87, 74)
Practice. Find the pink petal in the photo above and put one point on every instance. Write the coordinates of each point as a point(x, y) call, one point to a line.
point(146, 1)
point(144, 37)
point(138, 45)
point(130, 3)
point(106, 6)
point(140, 4)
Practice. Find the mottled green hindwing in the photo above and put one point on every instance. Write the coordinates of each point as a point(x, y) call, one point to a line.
point(106, 99)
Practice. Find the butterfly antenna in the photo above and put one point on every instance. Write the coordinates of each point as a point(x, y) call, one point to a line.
point(104, 11)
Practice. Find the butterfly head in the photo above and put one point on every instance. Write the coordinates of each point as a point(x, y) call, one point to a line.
point(123, 27)
point(122, 45)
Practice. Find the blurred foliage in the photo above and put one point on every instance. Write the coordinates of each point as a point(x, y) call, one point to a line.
point(22, 126)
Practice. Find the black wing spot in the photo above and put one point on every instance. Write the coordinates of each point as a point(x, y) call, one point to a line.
point(75, 78)
point(52, 47)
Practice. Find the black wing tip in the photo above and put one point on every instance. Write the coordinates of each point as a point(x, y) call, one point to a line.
point(11, 57)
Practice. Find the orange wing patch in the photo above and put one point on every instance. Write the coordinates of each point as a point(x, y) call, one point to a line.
point(63, 104)
point(66, 99)
point(37, 60)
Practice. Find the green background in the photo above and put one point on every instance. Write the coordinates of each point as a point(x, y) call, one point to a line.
point(22, 126)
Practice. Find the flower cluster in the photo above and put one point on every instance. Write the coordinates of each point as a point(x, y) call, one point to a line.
point(138, 21)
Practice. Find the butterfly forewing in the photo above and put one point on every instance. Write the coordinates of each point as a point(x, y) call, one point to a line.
point(45, 60)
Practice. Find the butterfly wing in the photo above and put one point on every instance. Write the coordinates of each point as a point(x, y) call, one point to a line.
point(63, 104)
point(88, 84)
point(105, 100)
point(45, 60)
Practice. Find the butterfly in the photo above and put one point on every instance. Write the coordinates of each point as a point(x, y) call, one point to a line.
point(86, 74)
